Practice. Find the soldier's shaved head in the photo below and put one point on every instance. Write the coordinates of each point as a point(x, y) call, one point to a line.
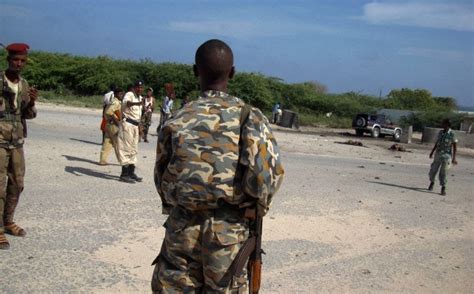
point(214, 65)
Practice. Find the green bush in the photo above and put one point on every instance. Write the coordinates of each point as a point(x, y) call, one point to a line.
point(81, 81)
point(433, 118)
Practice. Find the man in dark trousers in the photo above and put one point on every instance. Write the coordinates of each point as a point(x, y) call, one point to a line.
point(211, 164)
point(17, 103)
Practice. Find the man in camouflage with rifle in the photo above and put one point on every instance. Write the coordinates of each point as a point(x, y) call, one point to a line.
point(217, 160)
point(17, 103)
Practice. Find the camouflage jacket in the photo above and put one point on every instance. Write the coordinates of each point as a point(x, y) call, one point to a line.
point(13, 114)
point(445, 141)
point(199, 163)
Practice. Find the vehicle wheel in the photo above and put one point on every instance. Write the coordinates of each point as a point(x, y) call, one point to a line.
point(359, 133)
point(398, 135)
point(375, 132)
point(360, 122)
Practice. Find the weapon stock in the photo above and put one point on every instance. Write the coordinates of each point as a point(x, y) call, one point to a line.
point(255, 260)
point(250, 254)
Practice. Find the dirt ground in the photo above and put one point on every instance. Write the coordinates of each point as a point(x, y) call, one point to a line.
point(348, 219)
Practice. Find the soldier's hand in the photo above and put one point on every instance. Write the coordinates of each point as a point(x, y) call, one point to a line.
point(431, 155)
point(33, 93)
point(455, 162)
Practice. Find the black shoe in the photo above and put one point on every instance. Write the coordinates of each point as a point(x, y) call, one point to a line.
point(125, 177)
point(132, 173)
point(443, 191)
point(431, 186)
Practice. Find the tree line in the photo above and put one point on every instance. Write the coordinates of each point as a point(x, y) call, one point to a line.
point(67, 74)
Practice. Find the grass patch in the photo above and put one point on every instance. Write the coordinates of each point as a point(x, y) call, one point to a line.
point(95, 101)
point(321, 120)
point(305, 119)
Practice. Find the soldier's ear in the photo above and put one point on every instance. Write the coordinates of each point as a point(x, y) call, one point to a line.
point(195, 70)
point(232, 73)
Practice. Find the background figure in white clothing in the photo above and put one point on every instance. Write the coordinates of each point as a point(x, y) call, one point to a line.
point(167, 105)
point(129, 133)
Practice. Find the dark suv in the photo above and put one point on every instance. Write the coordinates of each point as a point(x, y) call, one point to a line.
point(377, 125)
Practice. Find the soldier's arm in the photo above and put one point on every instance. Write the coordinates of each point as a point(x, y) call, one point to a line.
point(434, 149)
point(163, 156)
point(261, 157)
point(436, 144)
point(28, 109)
point(130, 103)
point(113, 110)
point(454, 144)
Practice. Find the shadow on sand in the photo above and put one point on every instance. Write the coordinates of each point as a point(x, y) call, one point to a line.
point(74, 158)
point(423, 190)
point(85, 141)
point(80, 171)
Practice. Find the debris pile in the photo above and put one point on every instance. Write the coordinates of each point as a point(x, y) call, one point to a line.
point(352, 142)
point(398, 147)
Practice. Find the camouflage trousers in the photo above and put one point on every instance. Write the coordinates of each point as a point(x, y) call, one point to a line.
point(441, 163)
point(197, 250)
point(146, 121)
point(12, 173)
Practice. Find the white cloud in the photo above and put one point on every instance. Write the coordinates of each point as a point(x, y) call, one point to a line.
point(438, 54)
point(422, 14)
point(246, 29)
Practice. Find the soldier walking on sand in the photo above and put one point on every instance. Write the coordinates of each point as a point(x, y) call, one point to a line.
point(215, 157)
point(17, 103)
point(128, 134)
point(112, 116)
point(445, 148)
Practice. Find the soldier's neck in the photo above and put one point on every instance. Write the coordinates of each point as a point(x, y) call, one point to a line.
point(13, 76)
point(216, 87)
point(213, 84)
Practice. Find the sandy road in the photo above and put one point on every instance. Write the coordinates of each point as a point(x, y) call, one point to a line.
point(347, 219)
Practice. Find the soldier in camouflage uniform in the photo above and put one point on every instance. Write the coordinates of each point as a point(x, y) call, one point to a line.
point(17, 103)
point(445, 148)
point(210, 165)
point(147, 112)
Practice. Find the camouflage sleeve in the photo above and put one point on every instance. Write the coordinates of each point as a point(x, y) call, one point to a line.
point(261, 157)
point(28, 109)
point(163, 156)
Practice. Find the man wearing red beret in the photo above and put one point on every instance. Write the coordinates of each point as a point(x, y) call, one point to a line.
point(17, 103)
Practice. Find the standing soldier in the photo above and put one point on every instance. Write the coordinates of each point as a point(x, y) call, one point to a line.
point(445, 148)
point(17, 103)
point(215, 157)
point(128, 134)
point(148, 107)
point(112, 115)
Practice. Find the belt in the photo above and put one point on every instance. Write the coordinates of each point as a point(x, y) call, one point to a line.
point(10, 117)
point(132, 121)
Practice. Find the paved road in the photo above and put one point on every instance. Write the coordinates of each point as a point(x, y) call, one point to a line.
point(338, 225)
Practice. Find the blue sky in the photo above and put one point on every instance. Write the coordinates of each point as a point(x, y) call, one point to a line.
point(363, 46)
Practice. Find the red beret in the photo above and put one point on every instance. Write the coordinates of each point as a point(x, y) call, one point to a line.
point(17, 48)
